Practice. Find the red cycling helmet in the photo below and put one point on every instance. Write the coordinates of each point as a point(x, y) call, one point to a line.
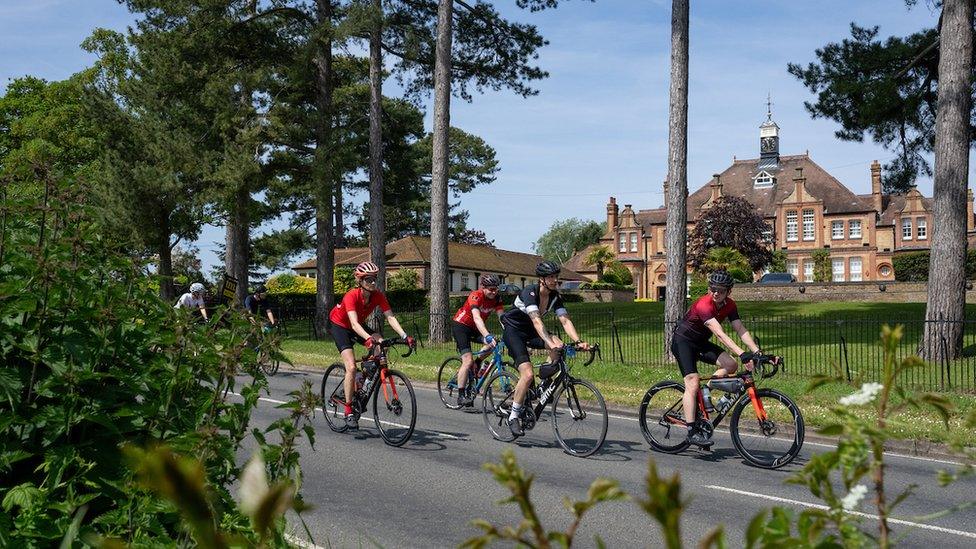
point(366, 268)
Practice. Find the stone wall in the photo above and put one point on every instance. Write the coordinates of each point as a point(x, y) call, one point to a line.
point(604, 296)
point(872, 292)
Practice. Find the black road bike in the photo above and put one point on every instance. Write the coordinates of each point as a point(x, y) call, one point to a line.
point(394, 403)
point(578, 411)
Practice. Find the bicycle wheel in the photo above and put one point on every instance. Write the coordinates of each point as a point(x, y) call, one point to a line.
point(661, 417)
point(395, 408)
point(447, 387)
point(579, 418)
point(496, 404)
point(334, 397)
point(270, 365)
point(769, 442)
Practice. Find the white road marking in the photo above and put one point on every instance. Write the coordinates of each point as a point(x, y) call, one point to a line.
point(858, 513)
point(299, 542)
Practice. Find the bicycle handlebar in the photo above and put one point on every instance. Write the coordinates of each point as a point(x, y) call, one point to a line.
point(594, 350)
point(387, 343)
point(760, 361)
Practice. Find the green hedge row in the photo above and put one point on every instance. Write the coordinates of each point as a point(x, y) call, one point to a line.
point(914, 266)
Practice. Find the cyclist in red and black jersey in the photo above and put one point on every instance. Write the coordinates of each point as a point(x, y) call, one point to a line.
point(469, 325)
point(691, 344)
point(347, 328)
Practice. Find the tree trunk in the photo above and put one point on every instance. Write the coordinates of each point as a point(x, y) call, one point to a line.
point(340, 228)
point(676, 233)
point(167, 290)
point(238, 232)
point(946, 305)
point(377, 232)
point(323, 172)
point(439, 301)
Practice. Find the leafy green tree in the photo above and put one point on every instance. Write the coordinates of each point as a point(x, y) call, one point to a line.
point(731, 222)
point(822, 270)
point(404, 279)
point(600, 256)
point(727, 259)
point(617, 273)
point(565, 238)
point(778, 263)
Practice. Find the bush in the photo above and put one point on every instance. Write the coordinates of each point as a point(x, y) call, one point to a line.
point(698, 286)
point(617, 273)
point(571, 297)
point(403, 279)
point(407, 299)
point(913, 267)
point(604, 286)
point(290, 284)
point(822, 271)
point(740, 275)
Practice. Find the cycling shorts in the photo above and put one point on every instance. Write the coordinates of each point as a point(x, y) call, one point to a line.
point(689, 352)
point(344, 337)
point(519, 342)
point(463, 336)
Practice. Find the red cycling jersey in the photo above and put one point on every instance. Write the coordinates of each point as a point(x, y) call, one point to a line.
point(353, 301)
point(477, 300)
point(693, 327)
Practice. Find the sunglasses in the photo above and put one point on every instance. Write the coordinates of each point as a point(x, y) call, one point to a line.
point(369, 279)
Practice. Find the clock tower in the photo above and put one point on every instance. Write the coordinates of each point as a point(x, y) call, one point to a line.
point(768, 141)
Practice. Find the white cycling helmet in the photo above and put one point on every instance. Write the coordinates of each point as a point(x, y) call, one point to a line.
point(196, 287)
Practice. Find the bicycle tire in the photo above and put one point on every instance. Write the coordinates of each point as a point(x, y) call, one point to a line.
point(270, 366)
point(657, 418)
point(447, 382)
point(333, 397)
point(768, 452)
point(579, 407)
point(398, 427)
point(496, 404)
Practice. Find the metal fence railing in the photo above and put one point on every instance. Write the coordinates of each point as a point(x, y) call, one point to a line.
point(811, 346)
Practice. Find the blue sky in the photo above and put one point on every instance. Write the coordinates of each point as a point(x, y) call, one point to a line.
point(599, 124)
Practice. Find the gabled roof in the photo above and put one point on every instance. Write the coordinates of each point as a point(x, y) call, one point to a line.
point(737, 180)
point(412, 250)
point(893, 205)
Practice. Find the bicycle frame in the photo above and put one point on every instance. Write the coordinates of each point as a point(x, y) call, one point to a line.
point(748, 391)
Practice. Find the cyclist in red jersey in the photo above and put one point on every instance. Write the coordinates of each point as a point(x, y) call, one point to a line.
point(347, 329)
point(691, 344)
point(469, 325)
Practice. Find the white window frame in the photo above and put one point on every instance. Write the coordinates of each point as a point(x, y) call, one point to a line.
point(792, 229)
point(793, 267)
point(808, 270)
point(836, 230)
point(854, 228)
point(763, 180)
point(809, 230)
point(465, 280)
point(837, 269)
point(921, 229)
point(856, 273)
point(633, 242)
point(906, 228)
point(623, 242)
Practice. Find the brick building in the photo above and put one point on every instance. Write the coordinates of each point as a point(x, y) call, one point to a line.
point(807, 209)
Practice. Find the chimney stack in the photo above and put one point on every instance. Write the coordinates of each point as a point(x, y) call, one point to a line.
point(876, 187)
point(612, 212)
point(667, 190)
point(800, 183)
point(716, 187)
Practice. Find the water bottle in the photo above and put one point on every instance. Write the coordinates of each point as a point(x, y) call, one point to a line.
point(366, 385)
point(359, 380)
point(708, 399)
point(484, 368)
point(724, 404)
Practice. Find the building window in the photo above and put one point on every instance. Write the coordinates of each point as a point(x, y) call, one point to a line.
point(885, 271)
point(763, 180)
point(906, 229)
point(856, 269)
point(808, 225)
point(633, 242)
point(793, 267)
point(836, 230)
point(855, 228)
point(623, 242)
point(837, 265)
point(808, 270)
point(921, 228)
point(465, 281)
point(791, 233)
point(768, 233)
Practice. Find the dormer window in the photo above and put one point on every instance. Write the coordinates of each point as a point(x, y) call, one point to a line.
point(763, 180)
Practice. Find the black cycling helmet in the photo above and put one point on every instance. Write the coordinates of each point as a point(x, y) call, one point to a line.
point(261, 289)
point(721, 279)
point(547, 268)
point(489, 281)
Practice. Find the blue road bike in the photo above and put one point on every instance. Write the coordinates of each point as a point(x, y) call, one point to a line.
point(488, 361)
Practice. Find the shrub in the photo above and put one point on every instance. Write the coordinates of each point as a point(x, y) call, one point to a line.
point(403, 279)
point(698, 286)
point(822, 271)
point(911, 267)
point(604, 286)
point(290, 284)
point(617, 273)
point(407, 299)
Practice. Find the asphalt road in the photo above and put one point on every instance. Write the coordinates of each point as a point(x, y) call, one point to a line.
point(425, 493)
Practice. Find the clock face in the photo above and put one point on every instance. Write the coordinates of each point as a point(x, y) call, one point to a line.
point(767, 144)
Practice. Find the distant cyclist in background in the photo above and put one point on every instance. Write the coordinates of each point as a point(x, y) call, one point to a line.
point(691, 343)
point(469, 325)
point(524, 329)
point(347, 319)
point(257, 301)
point(194, 299)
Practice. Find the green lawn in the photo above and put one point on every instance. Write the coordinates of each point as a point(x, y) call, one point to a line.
point(625, 384)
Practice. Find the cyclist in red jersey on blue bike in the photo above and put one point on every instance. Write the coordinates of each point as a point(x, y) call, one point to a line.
point(347, 319)
point(469, 325)
point(691, 344)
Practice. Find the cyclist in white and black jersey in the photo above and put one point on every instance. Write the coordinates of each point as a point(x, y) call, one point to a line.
point(524, 329)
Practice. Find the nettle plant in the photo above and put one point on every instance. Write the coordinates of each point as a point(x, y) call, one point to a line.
point(841, 478)
point(104, 387)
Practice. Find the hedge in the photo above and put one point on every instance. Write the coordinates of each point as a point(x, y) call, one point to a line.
point(914, 266)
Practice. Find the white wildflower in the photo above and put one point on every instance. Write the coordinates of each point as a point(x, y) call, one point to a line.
point(854, 497)
point(254, 484)
point(864, 396)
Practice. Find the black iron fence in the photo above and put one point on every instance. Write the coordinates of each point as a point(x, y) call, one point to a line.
point(850, 347)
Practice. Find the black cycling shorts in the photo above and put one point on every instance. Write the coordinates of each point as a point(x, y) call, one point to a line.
point(688, 353)
point(519, 343)
point(344, 337)
point(463, 336)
